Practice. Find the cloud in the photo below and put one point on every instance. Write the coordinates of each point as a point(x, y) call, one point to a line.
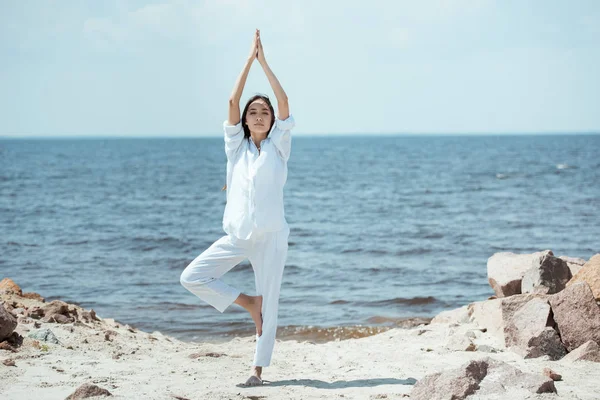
point(178, 20)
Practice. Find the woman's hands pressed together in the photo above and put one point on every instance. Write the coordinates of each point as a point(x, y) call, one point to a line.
point(254, 47)
point(260, 55)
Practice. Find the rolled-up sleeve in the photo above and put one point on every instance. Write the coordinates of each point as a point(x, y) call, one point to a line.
point(282, 137)
point(234, 134)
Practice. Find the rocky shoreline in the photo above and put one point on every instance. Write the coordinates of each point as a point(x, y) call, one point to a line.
point(537, 338)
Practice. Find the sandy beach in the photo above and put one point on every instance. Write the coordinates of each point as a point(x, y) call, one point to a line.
point(132, 364)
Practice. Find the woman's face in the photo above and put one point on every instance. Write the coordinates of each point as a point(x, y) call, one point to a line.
point(258, 117)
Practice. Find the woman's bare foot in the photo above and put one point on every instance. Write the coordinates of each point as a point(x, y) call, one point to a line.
point(255, 379)
point(253, 304)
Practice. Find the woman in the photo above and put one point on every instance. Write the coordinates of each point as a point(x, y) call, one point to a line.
point(257, 148)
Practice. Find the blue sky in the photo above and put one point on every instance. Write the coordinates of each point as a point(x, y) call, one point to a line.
point(167, 68)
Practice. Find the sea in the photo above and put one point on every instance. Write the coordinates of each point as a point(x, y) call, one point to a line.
point(385, 229)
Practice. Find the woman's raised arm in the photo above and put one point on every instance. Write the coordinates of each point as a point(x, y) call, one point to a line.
point(236, 94)
point(283, 108)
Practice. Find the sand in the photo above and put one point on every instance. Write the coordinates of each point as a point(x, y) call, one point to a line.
point(133, 364)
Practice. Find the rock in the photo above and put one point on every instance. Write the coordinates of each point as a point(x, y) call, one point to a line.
point(12, 342)
point(506, 270)
point(547, 343)
point(58, 318)
point(44, 334)
point(493, 315)
point(529, 331)
point(57, 311)
point(504, 378)
point(9, 286)
point(89, 316)
point(488, 314)
point(460, 343)
point(24, 320)
point(552, 375)
point(6, 346)
point(16, 312)
point(547, 275)
point(33, 296)
point(108, 334)
point(8, 323)
point(9, 362)
point(88, 390)
point(35, 312)
point(577, 315)
point(574, 264)
point(589, 351)
point(453, 384)
point(458, 315)
point(589, 273)
point(480, 377)
point(56, 307)
point(486, 349)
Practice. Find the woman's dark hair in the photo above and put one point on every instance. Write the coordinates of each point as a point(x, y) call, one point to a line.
point(244, 123)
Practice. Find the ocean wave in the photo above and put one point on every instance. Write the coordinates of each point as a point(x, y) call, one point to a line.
point(413, 301)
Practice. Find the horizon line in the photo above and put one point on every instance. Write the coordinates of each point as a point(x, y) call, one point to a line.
point(354, 134)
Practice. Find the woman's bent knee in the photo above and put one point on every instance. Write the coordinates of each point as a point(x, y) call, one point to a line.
point(191, 277)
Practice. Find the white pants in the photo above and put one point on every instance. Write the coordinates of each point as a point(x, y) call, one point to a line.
point(267, 253)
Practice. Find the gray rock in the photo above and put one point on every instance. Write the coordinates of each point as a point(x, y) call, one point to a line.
point(577, 315)
point(547, 343)
point(547, 275)
point(45, 335)
point(574, 263)
point(484, 348)
point(453, 384)
point(479, 377)
point(8, 323)
point(504, 378)
point(493, 315)
point(505, 271)
point(529, 332)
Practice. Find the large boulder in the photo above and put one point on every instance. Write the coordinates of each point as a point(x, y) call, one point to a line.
point(547, 275)
point(8, 323)
point(529, 331)
point(589, 351)
point(487, 314)
point(577, 315)
point(505, 271)
point(589, 273)
point(495, 314)
point(483, 377)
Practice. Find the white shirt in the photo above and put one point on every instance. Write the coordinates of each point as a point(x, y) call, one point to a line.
point(255, 180)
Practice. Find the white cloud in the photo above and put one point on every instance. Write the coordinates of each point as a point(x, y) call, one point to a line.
point(178, 20)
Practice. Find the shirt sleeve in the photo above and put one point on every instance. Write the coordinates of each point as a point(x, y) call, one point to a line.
point(281, 136)
point(234, 135)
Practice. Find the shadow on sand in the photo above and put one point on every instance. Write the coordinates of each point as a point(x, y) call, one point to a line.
point(340, 384)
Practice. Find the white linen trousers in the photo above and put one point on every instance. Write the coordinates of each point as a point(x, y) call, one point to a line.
point(267, 253)
point(256, 229)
